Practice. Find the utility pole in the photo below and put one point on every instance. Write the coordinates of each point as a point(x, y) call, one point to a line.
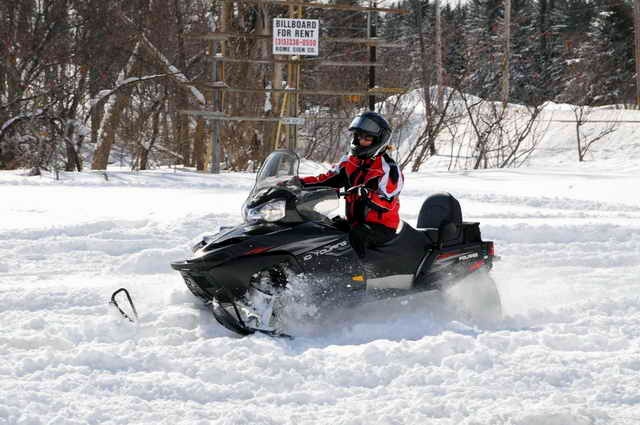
point(507, 53)
point(426, 81)
point(438, 55)
point(215, 124)
point(293, 83)
point(372, 33)
point(216, 96)
point(636, 25)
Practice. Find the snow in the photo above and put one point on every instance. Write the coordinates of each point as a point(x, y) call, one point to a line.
point(567, 350)
point(121, 83)
point(10, 122)
point(554, 133)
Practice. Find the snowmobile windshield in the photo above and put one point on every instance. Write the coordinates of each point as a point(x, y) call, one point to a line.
point(279, 166)
point(270, 200)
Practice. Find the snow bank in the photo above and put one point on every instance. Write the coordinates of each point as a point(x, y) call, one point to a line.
point(556, 145)
point(151, 261)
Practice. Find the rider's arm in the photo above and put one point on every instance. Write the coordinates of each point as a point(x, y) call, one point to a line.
point(336, 177)
point(389, 187)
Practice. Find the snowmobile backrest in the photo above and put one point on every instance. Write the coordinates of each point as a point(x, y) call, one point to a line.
point(441, 211)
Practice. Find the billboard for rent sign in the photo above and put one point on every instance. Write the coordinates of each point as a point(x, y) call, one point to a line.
point(295, 36)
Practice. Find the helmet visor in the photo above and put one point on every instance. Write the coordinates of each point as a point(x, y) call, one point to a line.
point(365, 125)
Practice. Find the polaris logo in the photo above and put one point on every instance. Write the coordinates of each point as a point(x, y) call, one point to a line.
point(325, 251)
point(468, 256)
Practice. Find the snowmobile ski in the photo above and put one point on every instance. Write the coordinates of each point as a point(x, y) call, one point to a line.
point(114, 302)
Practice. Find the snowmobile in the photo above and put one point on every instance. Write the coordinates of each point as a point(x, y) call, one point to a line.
point(243, 272)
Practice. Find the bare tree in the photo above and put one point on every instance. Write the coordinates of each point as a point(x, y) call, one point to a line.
point(585, 140)
point(520, 135)
point(501, 137)
point(484, 118)
point(453, 131)
point(425, 145)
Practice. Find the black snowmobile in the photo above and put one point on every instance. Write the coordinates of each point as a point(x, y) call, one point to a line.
point(242, 271)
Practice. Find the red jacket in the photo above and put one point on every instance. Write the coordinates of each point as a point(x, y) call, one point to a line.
point(380, 175)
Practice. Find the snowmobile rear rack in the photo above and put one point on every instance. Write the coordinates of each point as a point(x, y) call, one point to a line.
point(122, 312)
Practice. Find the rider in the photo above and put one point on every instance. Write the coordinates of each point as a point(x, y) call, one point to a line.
point(373, 182)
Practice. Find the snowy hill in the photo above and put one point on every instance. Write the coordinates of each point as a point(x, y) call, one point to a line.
point(554, 133)
point(565, 352)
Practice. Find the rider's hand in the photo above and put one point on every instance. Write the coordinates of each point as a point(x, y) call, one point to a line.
point(293, 181)
point(360, 191)
point(341, 224)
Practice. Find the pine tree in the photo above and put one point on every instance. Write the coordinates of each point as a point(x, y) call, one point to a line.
point(527, 55)
point(483, 47)
point(568, 57)
point(454, 60)
point(611, 41)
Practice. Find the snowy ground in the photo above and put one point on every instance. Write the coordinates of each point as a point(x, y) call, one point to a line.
point(567, 351)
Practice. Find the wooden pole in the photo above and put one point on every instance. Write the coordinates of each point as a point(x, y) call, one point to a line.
point(438, 55)
point(636, 24)
point(507, 52)
point(214, 166)
point(371, 33)
point(215, 125)
point(293, 81)
point(217, 74)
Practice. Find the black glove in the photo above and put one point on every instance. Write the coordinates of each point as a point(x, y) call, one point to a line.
point(293, 181)
point(341, 224)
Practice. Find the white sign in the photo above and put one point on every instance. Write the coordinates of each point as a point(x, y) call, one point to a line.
point(295, 36)
point(292, 120)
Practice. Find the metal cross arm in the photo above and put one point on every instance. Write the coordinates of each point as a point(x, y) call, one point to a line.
point(219, 58)
point(219, 116)
point(378, 42)
point(346, 7)
point(376, 90)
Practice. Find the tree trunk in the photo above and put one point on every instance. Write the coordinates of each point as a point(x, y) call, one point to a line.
point(182, 102)
point(96, 110)
point(506, 53)
point(144, 151)
point(74, 162)
point(111, 117)
point(579, 113)
point(107, 133)
point(199, 145)
point(636, 26)
point(426, 88)
point(438, 55)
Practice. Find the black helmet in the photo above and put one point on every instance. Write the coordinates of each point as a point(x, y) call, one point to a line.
point(372, 124)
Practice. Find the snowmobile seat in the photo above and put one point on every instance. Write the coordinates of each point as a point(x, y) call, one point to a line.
point(406, 249)
point(440, 219)
point(406, 235)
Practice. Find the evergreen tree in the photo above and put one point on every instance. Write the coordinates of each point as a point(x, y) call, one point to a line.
point(568, 54)
point(611, 44)
point(527, 57)
point(454, 60)
point(483, 47)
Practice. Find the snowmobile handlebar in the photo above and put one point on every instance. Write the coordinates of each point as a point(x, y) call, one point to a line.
point(360, 191)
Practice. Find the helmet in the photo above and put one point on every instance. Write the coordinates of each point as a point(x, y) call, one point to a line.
point(372, 124)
